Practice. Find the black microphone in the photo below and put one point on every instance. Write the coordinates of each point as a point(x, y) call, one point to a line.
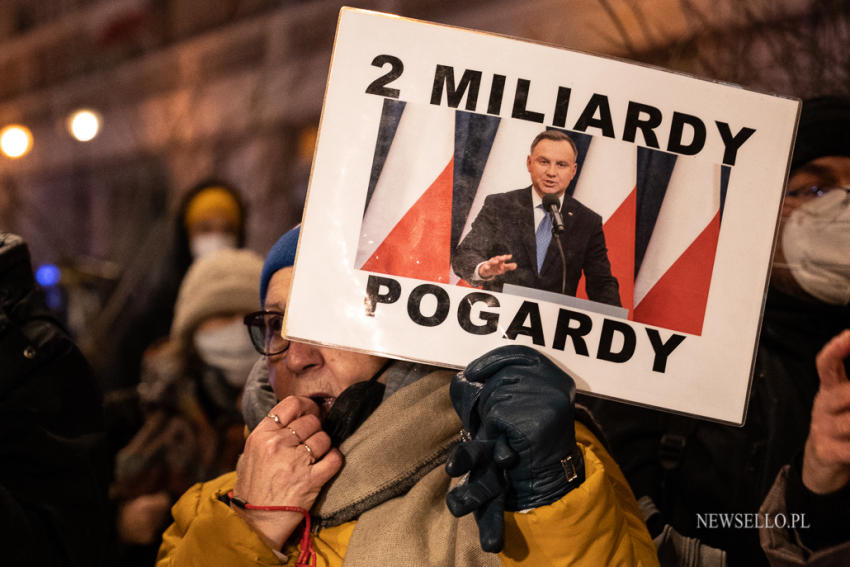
point(552, 206)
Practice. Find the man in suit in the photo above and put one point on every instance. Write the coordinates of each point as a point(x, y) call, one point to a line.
point(510, 241)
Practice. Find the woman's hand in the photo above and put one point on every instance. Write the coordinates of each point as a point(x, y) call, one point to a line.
point(286, 462)
point(140, 520)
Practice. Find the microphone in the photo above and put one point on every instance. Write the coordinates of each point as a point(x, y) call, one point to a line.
point(551, 206)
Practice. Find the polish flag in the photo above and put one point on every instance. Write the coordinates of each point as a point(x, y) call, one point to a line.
point(607, 185)
point(671, 289)
point(506, 168)
point(406, 229)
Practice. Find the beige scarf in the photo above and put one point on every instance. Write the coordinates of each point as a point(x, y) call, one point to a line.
point(394, 484)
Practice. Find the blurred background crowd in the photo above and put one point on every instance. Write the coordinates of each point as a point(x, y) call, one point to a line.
point(179, 91)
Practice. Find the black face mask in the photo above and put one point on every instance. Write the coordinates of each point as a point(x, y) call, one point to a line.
point(353, 406)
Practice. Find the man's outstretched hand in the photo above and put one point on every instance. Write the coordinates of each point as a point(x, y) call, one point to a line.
point(496, 266)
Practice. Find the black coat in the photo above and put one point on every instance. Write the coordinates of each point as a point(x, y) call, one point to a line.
point(689, 466)
point(505, 225)
point(53, 465)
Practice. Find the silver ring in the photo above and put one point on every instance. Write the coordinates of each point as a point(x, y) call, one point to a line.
point(310, 453)
point(295, 434)
point(275, 418)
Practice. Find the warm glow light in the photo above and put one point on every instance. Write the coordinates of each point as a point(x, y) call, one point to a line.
point(15, 140)
point(84, 125)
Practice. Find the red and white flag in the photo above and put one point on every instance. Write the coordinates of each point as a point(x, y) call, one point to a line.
point(506, 166)
point(671, 288)
point(607, 185)
point(406, 229)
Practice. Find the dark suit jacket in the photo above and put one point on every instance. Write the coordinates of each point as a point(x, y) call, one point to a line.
point(505, 225)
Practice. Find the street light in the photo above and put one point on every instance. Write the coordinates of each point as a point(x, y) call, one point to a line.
point(84, 125)
point(15, 140)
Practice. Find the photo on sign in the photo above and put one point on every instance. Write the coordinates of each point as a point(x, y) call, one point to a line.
point(450, 190)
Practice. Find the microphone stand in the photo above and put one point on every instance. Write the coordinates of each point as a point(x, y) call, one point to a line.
point(555, 233)
point(552, 207)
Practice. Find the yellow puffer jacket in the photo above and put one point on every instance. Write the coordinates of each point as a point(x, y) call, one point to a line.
point(595, 525)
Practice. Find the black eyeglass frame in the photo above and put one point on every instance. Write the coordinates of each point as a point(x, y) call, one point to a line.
point(256, 320)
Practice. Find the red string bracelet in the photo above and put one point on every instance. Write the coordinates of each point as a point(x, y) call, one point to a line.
point(307, 557)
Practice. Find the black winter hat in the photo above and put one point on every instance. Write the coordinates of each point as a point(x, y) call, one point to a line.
point(824, 129)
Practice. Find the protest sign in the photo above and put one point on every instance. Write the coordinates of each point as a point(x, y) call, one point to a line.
point(423, 169)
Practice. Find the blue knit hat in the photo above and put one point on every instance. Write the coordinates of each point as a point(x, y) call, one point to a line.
point(282, 255)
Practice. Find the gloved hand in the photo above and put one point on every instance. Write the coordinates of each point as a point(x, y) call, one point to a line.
point(482, 493)
point(517, 406)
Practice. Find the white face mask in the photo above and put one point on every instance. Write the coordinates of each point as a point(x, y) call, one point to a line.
point(229, 349)
point(211, 242)
point(816, 244)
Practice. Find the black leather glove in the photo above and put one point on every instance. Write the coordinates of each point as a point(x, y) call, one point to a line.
point(482, 493)
point(517, 407)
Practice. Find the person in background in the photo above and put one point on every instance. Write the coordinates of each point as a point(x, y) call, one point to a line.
point(816, 491)
point(683, 468)
point(190, 393)
point(53, 464)
point(211, 216)
point(367, 451)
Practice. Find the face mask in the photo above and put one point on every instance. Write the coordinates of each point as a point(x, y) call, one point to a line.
point(353, 406)
point(816, 244)
point(229, 349)
point(210, 243)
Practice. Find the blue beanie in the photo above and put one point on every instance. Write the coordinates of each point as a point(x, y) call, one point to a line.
point(282, 255)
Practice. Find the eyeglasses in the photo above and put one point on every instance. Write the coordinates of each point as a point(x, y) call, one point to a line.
point(815, 191)
point(265, 330)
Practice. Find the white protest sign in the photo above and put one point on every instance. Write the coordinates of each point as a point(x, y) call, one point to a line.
point(423, 169)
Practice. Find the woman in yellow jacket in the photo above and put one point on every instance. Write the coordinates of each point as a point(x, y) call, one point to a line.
point(390, 458)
